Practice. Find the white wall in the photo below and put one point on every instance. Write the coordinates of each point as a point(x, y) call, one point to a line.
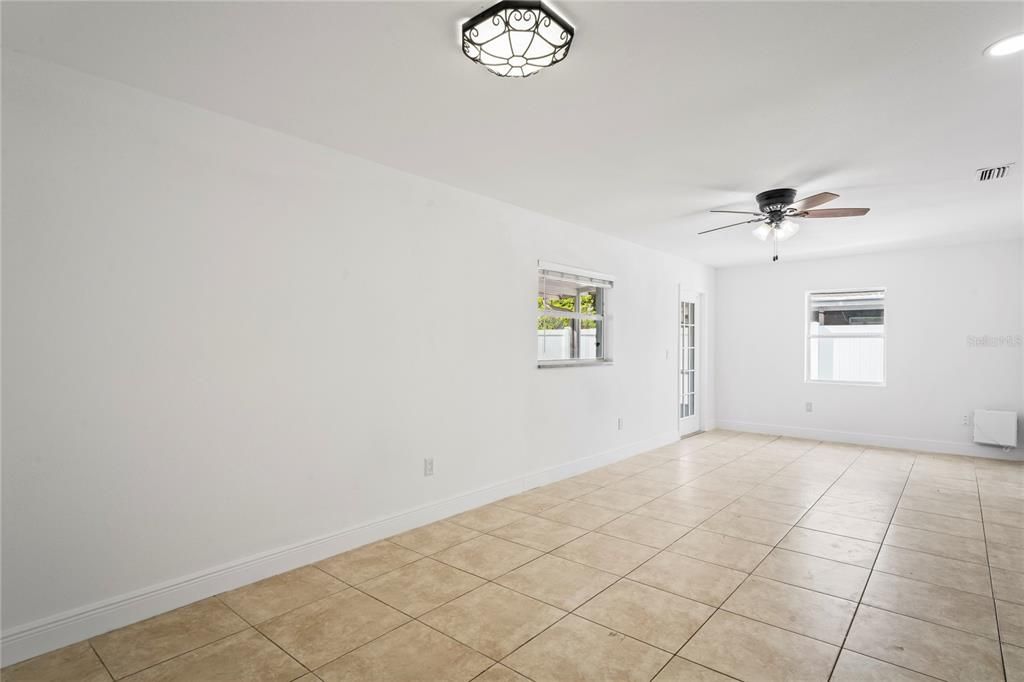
point(186, 384)
point(935, 299)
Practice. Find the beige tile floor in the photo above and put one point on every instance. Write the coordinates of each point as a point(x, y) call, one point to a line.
point(722, 556)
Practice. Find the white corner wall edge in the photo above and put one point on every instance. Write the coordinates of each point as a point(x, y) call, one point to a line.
point(72, 626)
point(874, 439)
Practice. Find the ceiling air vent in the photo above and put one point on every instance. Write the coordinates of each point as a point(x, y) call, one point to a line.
point(994, 173)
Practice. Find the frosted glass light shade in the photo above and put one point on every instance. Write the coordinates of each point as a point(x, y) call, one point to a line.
point(786, 229)
point(516, 38)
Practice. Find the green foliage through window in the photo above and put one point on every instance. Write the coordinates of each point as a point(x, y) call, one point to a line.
point(587, 306)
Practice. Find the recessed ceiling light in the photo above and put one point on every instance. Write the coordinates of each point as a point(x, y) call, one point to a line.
point(1006, 46)
point(516, 38)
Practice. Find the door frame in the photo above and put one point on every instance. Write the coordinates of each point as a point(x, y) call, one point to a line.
point(700, 342)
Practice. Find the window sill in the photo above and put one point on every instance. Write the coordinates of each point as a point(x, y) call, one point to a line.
point(554, 364)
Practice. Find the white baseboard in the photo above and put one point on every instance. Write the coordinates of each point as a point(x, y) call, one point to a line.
point(875, 439)
point(46, 634)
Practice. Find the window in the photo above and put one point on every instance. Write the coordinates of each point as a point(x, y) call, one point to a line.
point(572, 319)
point(846, 336)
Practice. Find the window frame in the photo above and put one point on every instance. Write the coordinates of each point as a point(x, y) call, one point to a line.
point(603, 284)
point(883, 336)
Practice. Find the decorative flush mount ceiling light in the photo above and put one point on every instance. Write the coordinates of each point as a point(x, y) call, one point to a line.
point(1006, 46)
point(516, 38)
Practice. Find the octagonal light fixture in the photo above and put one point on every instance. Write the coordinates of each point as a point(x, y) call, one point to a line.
point(517, 38)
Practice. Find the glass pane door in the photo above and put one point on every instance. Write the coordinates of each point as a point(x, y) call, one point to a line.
point(688, 377)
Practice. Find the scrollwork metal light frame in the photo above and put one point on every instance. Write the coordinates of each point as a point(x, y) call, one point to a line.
point(517, 38)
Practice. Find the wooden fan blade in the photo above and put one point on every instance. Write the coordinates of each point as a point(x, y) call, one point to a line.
point(832, 213)
point(745, 222)
point(814, 200)
point(740, 212)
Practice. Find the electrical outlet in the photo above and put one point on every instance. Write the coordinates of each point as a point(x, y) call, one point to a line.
point(965, 420)
point(428, 466)
point(809, 407)
point(620, 423)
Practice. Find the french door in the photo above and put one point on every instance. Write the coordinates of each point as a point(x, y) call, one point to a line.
point(690, 391)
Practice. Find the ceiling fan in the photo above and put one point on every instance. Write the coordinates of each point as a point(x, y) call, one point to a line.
point(778, 207)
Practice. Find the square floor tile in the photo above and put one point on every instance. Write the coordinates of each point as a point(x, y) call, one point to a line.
point(320, 632)
point(651, 615)
point(814, 573)
point(926, 504)
point(359, 565)
point(746, 527)
point(616, 500)
point(805, 612)
point(682, 670)
point(646, 487)
point(576, 649)
point(929, 568)
point(1013, 658)
point(77, 662)
point(246, 656)
point(724, 550)
point(157, 639)
point(541, 534)
point(850, 526)
point(435, 537)
point(580, 514)
point(940, 544)
point(411, 653)
point(933, 603)
point(499, 673)
point(487, 556)
point(854, 667)
point(421, 586)
point(606, 553)
point(924, 647)
point(749, 650)
point(1011, 622)
point(567, 489)
point(691, 578)
point(265, 599)
point(699, 497)
point(1004, 556)
point(559, 582)
point(492, 619)
point(1008, 585)
point(1005, 535)
point(486, 518)
point(950, 525)
point(530, 503)
point(829, 546)
point(644, 530)
point(675, 512)
point(873, 510)
point(763, 509)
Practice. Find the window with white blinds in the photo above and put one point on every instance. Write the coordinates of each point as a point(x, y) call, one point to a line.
point(572, 316)
point(846, 336)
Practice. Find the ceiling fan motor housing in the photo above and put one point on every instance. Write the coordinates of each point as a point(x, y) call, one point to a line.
point(775, 201)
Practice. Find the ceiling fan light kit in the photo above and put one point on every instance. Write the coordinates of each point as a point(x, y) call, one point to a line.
point(777, 208)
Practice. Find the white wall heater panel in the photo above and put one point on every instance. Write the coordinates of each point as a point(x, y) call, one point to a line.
point(995, 427)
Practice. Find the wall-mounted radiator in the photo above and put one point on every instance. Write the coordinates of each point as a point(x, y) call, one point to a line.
point(995, 427)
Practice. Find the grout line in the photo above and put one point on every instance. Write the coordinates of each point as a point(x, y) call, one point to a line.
point(264, 636)
point(992, 584)
point(871, 571)
point(718, 462)
point(98, 658)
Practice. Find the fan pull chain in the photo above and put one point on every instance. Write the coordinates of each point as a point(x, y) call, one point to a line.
point(775, 245)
